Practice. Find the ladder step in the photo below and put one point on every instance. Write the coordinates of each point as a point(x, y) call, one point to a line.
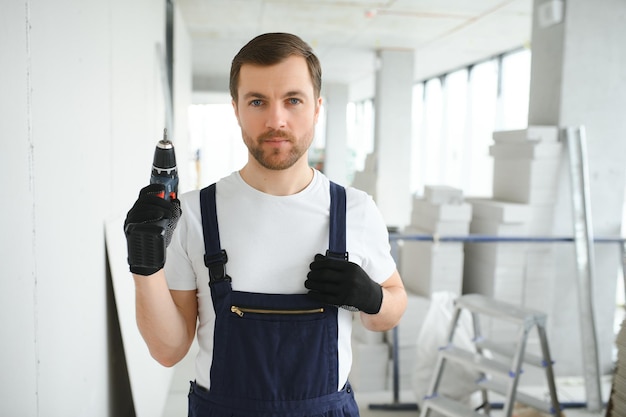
point(521, 397)
point(476, 361)
point(509, 351)
point(449, 408)
point(482, 304)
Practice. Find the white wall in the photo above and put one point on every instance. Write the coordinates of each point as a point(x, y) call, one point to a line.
point(81, 110)
point(182, 99)
point(18, 296)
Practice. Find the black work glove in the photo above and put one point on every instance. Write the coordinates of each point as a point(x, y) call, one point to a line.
point(148, 227)
point(343, 283)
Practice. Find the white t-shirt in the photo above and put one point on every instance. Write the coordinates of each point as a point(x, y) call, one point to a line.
point(270, 242)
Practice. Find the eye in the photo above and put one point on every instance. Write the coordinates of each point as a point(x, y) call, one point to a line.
point(294, 101)
point(256, 103)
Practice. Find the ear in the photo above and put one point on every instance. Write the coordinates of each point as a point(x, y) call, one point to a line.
point(318, 106)
point(234, 104)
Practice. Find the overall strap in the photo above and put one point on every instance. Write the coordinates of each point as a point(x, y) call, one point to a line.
point(337, 232)
point(215, 258)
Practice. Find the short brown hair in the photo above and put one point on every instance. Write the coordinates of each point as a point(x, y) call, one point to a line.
point(270, 49)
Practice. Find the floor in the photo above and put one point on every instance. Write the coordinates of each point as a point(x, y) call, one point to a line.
point(367, 400)
point(378, 404)
point(570, 392)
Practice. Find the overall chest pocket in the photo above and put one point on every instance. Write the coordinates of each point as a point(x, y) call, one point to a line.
point(278, 347)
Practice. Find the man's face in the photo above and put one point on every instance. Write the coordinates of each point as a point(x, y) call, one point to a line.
point(277, 111)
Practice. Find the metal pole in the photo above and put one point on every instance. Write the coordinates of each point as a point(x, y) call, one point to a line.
point(583, 242)
point(395, 404)
point(396, 367)
point(623, 257)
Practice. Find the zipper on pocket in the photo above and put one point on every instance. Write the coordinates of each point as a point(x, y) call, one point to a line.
point(240, 311)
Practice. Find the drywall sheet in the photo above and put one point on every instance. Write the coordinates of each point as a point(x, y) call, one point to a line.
point(149, 381)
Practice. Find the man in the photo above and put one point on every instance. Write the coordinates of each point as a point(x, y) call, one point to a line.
point(271, 261)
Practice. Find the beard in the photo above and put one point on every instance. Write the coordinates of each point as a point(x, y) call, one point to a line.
point(282, 157)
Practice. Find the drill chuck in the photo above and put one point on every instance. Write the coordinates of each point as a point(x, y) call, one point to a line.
point(164, 157)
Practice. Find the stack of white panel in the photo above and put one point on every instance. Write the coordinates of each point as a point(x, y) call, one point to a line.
point(366, 180)
point(539, 279)
point(538, 287)
point(407, 333)
point(525, 176)
point(370, 358)
point(525, 170)
point(493, 268)
point(427, 267)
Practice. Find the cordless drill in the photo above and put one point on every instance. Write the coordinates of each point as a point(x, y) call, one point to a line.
point(147, 237)
point(164, 169)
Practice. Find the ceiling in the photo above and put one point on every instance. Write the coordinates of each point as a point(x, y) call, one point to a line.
point(444, 34)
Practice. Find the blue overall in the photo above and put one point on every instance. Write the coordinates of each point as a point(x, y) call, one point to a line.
point(273, 354)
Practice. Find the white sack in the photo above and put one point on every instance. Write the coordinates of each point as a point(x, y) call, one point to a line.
point(458, 381)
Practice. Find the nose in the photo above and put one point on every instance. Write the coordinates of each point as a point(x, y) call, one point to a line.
point(276, 117)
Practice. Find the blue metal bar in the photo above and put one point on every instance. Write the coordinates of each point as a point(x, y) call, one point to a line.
point(490, 239)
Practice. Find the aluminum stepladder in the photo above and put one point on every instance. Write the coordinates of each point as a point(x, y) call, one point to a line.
point(497, 376)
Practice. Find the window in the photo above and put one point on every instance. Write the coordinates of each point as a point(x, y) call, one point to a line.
point(514, 89)
point(455, 115)
point(483, 83)
point(215, 142)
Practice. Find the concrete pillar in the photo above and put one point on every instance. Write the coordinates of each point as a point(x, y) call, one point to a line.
point(394, 81)
point(336, 156)
point(577, 78)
